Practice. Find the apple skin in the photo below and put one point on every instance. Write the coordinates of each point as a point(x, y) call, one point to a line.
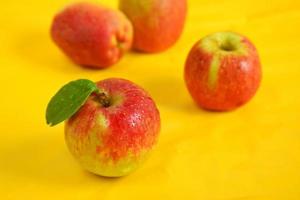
point(92, 35)
point(223, 71)
point(113, 141)
point(157, 24)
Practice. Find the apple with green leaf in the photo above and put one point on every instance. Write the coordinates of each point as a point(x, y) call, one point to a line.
point(111, 126)
point(223, 71)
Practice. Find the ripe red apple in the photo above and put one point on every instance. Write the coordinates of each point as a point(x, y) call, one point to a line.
point(223, 71)
point(92, 35)
point(157, 24)
point(114, 131)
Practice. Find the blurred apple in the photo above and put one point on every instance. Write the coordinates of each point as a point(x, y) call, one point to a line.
point(157, 23)
point(92, 35)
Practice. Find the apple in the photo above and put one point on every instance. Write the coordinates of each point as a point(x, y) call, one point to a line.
point(157, 24)
point(115, 130)
point(92, 35)
point(222, 71)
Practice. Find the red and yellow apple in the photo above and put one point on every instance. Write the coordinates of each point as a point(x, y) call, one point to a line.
point(157, 24)
point(92, 35)
point(223, 71)
point(115, 129)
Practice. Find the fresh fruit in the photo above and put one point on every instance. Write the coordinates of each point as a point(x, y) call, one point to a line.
point(157, 24)
point(92, 35)
point(223, 71)
point(111, 126)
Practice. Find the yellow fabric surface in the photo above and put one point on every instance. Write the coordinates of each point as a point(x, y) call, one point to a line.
point(252, 153)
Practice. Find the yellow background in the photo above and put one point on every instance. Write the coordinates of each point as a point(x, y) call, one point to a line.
point(252, 153)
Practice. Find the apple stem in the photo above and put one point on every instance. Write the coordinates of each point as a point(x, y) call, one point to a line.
point(103, 99)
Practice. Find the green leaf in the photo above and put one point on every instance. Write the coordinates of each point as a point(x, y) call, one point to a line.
point(67, 101)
